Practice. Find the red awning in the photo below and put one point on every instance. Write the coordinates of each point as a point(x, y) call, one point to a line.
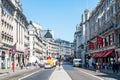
point(108, 53)
point(101, 54)
point(96, 55)
point(93, 55)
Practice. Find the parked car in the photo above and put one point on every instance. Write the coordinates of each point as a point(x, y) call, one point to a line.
point(77, 62)
point(42, 63)
point(47, 66)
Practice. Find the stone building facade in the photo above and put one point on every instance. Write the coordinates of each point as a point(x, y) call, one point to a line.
point(78, 41)
point(51, 46)
point(35, 41)
point(65, 47)
point(13, 24)
point(103, 22)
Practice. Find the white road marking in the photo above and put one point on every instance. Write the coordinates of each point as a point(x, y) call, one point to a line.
point(28, 75)
point(91, 75)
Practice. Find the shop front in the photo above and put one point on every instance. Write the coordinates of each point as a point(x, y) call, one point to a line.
point(3, 60)
point(106, 56)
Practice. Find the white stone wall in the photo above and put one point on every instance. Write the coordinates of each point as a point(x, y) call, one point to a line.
point(12, 29)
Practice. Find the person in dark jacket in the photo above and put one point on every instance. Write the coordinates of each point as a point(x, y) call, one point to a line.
point(115, 67)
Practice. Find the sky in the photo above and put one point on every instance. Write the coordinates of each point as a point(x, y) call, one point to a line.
point(61, 16)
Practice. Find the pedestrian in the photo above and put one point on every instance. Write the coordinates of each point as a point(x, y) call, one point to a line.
point(21, 65)
point(86, 65)
point(115, 67)
point(59, 61)
point(13, 67)
point(94, 65)
point(97, 67)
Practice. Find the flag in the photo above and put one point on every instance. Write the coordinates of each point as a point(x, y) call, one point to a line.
point(99, 40)
point(14, 49)
point(91, 45)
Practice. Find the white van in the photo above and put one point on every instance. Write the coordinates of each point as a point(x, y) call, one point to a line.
point(77, 62)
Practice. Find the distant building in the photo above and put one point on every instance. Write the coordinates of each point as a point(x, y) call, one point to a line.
point(52, 47)
point(64, 47)
point(78, 36)
point(35, 41)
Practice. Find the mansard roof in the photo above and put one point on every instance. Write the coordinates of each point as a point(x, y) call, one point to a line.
point(48, 34)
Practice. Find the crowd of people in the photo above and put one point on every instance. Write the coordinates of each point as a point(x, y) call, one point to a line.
point(115, 67)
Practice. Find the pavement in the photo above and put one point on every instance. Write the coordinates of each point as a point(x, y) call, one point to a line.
point(4, 72)
point(109, 72)
point(60, 74)
point(106, 71)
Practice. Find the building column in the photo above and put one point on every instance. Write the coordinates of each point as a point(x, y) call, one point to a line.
point(116, 38)
point(6, 60)
point(0, 58)
point(83, 57)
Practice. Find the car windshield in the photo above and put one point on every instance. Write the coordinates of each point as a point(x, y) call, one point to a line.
point(77, 61)
point(47, 64)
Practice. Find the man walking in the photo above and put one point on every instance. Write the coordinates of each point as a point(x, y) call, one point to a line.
point(115, 67)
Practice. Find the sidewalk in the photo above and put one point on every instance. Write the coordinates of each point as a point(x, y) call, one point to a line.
point(106, 71)
point(4, 72)
point(109, 72)
point(59, 74)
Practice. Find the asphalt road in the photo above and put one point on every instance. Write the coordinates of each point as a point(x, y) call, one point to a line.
point(75, 74)
point(82, 74)
point(40, 75)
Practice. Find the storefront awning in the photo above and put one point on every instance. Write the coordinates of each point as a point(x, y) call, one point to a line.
point(96, 55)
point(108, 53)
point(102, 54)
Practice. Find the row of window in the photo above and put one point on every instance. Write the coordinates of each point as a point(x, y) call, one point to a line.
point(7, 7)
point(95, 24)
point(107, 41)
point(102, 20)
point(21, 19)
point(7, 25)
point(102, 8)
point(7, 37)
point(6, 15)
